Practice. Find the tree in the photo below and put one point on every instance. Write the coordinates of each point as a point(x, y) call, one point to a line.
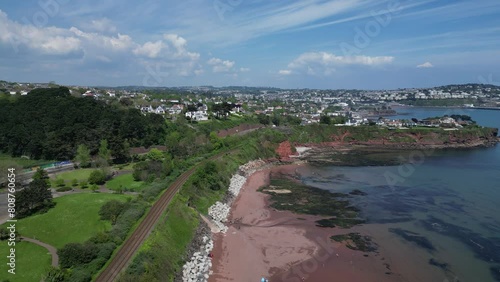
point(75, 254)
point(155, 155)
point(82, 156)
point(325, 119)
point(104, 153)
point(56, 275)
point(276, 120)
point(263, 119)
point(111, 210)
point(36, 197)
point(94, 188)
point(97, 177)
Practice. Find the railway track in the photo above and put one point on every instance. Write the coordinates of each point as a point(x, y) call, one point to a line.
point(132, 244)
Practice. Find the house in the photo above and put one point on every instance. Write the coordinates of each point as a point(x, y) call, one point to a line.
point(197, 116)
point(160, 110)
point(176, 109)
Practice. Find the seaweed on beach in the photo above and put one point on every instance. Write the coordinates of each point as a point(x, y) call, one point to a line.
point(357, 192)
point(487, 249)
point(302, 199)
point(495, 272)
point(410, 236)
point(339, 222)
point(442, 265)
point(356, 241)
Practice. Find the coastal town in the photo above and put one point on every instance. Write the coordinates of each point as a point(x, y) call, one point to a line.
point(277, 106)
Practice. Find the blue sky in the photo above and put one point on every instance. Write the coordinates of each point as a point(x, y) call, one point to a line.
point(363, 44)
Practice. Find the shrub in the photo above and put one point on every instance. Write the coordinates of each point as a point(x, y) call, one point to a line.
point(63, 189)
point(111, 210)
point(76, 254)
point(84, 184)
point(97, 177)
point(74, 182)
point(94, 188)
point(60, 182)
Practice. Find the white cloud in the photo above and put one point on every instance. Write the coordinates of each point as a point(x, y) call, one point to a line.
point(121, 42)
point(323, 63)
point(285, 72)
point(244, 69)
point(46, 40)
point(426, 65)
point(103, 25)
point(150, 49)
point(219, 65)
point(180, 45)
point(171, 52)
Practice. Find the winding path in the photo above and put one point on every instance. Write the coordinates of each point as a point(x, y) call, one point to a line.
point(52, 250)
point(127, 250)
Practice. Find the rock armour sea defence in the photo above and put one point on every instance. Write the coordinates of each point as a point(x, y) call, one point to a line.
point(197, 269)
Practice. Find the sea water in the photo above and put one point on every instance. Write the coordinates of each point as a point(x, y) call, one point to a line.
point(440, 213)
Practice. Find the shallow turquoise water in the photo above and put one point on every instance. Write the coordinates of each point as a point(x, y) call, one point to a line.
point(450, 200)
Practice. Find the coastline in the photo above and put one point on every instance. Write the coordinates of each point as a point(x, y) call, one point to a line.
point(283, 246)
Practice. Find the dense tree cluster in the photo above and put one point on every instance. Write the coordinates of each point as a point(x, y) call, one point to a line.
point(51, 124)
point(36, 197)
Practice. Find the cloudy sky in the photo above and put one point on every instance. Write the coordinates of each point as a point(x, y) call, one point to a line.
point(368, 44)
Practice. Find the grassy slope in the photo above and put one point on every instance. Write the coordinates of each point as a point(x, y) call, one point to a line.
point(126, 181)
point(32, 262)
point(74, 219)
point(171, 238)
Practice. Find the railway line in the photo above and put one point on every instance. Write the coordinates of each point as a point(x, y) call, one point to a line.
point(127, 250)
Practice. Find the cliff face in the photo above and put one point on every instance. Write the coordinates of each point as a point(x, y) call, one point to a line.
point(401, 139)
point(325, 140)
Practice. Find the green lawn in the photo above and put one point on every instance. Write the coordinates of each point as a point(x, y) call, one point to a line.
point(125, 181)
point(75, 219)
point(32, 261)
point(79, 174)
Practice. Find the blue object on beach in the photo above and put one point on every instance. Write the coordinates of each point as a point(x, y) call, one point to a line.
point(263, 280)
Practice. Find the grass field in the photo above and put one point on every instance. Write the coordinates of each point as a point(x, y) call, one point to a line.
point(75, 219)
point(32, 261)
point(125, 181)
point(79, 174)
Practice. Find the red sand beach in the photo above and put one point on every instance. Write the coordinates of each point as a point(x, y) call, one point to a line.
point(283, 246)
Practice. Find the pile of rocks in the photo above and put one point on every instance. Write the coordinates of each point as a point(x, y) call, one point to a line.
point(237, 181)
point(198, 268)
point(251, 167)
point(219, 212)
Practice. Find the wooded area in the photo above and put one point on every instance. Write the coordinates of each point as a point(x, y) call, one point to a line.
point(50, 124)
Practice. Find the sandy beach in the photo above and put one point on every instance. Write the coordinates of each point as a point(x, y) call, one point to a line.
point(283, 246)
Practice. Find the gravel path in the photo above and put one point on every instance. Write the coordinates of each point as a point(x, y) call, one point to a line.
point(52, 250)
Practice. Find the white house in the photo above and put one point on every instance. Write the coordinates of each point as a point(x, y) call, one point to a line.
point(160, 110)
point(198, 115)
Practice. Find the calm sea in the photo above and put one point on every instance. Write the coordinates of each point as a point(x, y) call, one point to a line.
point(436, 218)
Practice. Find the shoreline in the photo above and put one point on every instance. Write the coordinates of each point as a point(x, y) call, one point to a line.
point(283, 246)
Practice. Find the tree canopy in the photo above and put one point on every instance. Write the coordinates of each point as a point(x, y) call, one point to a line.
point(49, 123)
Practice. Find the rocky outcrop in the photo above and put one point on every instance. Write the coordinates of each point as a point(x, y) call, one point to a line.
point(285, 150)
